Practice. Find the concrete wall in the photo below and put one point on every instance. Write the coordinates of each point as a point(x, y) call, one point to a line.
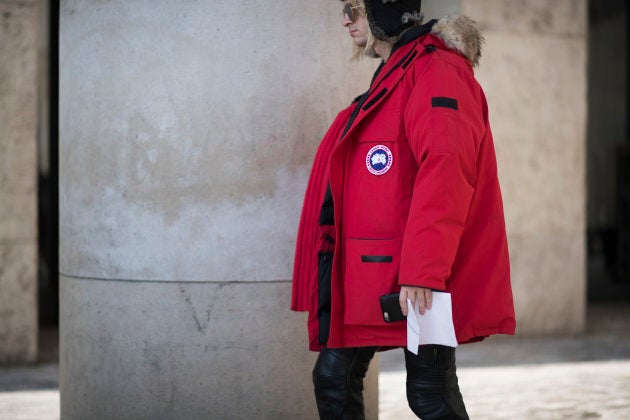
point(534, 74)
point(435, 9)
point(187, 132)
point(19, 27)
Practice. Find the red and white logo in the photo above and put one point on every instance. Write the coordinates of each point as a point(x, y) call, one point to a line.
point(379, 159)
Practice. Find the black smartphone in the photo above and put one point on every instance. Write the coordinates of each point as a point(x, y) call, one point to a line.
point(390, 308)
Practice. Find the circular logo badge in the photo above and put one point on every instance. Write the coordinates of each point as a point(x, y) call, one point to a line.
point(379, 159)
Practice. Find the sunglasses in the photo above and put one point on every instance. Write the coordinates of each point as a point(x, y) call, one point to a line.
point(349, 11)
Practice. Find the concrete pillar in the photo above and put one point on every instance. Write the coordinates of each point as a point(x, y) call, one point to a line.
point(19, 28)
point(187, 131)
point(435, 9)
point(534, 74)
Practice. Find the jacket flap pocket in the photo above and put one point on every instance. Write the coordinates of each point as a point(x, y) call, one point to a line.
point(371, 271)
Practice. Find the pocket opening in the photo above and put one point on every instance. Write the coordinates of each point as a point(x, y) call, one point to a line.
point(371, 271)
point(376, 258)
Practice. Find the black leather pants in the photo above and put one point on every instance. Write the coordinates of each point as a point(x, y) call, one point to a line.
point(338, 379)
point(432, 389)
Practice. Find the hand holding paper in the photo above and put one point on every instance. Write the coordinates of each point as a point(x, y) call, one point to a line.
point(420, 295)
point(434, 327)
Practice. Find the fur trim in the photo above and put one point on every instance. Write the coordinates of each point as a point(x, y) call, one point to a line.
point(412, 17)
point(461, 34)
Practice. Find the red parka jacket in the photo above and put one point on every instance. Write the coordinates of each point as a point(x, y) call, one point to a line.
point(416, 199)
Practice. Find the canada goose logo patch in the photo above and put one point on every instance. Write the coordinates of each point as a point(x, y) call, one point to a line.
point(379, 160)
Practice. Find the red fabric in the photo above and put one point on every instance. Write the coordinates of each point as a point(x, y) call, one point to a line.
point(437, 211)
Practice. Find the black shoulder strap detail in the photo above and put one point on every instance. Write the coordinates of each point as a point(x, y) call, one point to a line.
point(430, 48)
point(406, 56)
point(375, 99)
point(410, 59)
point(400, 62)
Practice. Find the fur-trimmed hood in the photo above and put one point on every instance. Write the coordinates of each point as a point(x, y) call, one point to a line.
point(461, 34)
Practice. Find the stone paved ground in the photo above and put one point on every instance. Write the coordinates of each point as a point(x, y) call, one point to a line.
point(552, 391)
point(30, 405)
point(577, 390)
point(578, 377)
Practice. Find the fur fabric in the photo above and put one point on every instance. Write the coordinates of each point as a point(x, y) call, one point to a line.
point(412, 17)
point(461, 34)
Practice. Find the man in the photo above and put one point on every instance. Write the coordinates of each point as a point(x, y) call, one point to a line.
point(403, 196)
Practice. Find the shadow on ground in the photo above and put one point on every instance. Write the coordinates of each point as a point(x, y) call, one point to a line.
point(43, 375)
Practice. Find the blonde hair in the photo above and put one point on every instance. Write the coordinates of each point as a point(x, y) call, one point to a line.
point(368, 50)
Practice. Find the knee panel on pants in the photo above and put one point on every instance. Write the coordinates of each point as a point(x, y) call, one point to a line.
point(338, 379)
point(432, 390)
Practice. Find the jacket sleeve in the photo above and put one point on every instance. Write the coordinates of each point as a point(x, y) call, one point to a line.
point(444, 125)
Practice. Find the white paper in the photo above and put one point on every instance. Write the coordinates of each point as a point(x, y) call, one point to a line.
point(434, 327)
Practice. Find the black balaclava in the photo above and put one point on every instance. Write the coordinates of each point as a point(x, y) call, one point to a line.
point(389, 18)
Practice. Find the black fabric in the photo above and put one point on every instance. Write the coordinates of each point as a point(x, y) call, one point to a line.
point(444, 102)
point(432, 388)
point(324, 268)
point(376, 258)
point(338, 380)
point(327, 214)
point(413, 34)
point(385, 18)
